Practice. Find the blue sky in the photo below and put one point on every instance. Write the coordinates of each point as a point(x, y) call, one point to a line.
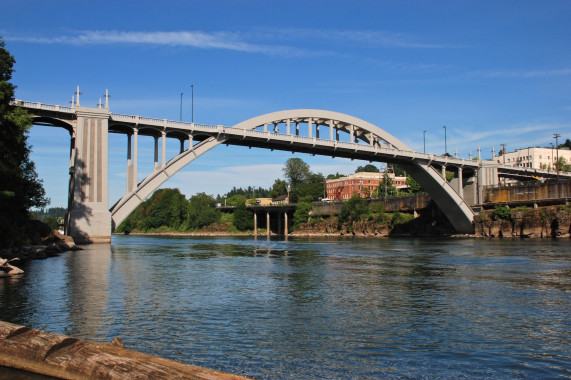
point(492, 72)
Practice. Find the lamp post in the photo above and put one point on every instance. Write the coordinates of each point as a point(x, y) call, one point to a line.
point(180, 106)
point(445, 147)
point(424, 140)
point(557, 135)
point(192, 102)
point(288, 189)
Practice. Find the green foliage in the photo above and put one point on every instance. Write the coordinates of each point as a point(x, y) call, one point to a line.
point(243, 219)
point(502, 212)
point(202, 211)
point(400, 218)
point(566, 144)
point(278, 188)
point(301, 214)
point(562, 165)
point(386, 187)
point(335, 176)
point(353, 210)
point(20, 188)
point(369, 168)
point(249, 192)
point(413, 186)
point(236, 199)
point(449, 176)
point(312, 189)
point(296, 171)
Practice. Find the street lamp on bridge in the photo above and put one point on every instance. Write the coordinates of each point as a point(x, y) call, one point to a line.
point(424, 140)
point(192, 103)
point(445, 147)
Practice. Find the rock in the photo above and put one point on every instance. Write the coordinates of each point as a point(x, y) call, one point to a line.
point(6, 269)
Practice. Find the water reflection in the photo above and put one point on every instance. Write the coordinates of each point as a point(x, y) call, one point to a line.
point(329, 308)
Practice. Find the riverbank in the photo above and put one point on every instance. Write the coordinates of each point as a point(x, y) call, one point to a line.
point(61, 356)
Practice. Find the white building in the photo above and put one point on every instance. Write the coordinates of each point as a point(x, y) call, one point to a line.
point(537, 158)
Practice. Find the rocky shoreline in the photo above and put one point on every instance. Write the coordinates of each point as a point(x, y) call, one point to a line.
point(51, 245)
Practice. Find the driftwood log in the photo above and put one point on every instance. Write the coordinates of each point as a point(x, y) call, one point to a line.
point(64, 357)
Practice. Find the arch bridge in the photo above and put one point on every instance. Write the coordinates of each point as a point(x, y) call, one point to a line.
point(316, 132)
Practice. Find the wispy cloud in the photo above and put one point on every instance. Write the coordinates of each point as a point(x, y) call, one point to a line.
point(197, 39)
point(520, 73)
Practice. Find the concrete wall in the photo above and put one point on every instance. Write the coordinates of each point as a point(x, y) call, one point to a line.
point(404, 204)
point(528, 192)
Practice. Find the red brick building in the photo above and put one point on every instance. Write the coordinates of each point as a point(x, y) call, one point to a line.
point(364, 183)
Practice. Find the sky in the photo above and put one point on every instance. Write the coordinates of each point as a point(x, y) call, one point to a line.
point(496, 72)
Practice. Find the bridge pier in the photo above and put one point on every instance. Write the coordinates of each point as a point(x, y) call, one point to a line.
point(89, 219)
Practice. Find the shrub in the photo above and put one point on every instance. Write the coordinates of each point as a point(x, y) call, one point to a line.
point(502, 212)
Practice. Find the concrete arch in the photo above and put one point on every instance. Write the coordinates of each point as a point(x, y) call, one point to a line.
point(450, 202)
point(130, 201)
point(42, 120)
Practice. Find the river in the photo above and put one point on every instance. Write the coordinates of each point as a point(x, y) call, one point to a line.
point(314, 308)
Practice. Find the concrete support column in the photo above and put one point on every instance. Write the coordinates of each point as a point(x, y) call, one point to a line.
point(190, 142)
point(444, 171)
point(255, 224)
point(288, 131)
point(135, 172)
point(89, 219)
point(371, 139)
point(460, 183)
point(297, 128)
point(164, 149)
point(265, 127)
point(317, 130)
point(330, 123)
point(181, 145)
point(129, 165)
point(351, 134)
point(156, 152)
point(286, 232)
point(336, 133)
point(310, 128)
point(268, 223)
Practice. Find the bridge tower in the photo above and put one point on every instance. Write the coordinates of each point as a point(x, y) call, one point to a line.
point(89, 218)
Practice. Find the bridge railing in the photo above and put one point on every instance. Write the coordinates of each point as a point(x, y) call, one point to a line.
point(50, 107)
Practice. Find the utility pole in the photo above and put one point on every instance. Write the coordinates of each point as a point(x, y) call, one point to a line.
point(192, 104)
point(424, 140)
point(557, 135)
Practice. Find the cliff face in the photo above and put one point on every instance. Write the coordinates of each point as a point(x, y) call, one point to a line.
point(427, 222)
point(546, 222)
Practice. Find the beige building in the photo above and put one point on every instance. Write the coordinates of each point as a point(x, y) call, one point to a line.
point(537, 158)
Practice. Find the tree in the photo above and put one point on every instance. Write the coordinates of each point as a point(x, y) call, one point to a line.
point(278, 188)
point(243, 219)
point(562, 165)
point(20, 188)
point(353, 210)
point(296, 171)
point(413, 186)
point(236, 200)
point(369, 168)
point(335, 176)
point(202, 211)
point(301, 214)
point(312, 189)
point(386, 187)
point(566, 144)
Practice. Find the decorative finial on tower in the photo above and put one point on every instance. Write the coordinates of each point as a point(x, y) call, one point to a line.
point(479, 153)
point(107, 96)
point(77, 96)
point(99, 104)
point(456, 154)
point(493, 151)
point(72, 102)
point(470, 155)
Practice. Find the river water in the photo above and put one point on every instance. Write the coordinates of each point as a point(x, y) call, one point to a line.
point(314, 308)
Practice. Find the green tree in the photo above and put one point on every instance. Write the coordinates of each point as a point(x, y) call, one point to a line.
point(566, 144)
point(202, 211)
point(353, 210)
point(296, 171)
point(20, 188)
point(169, 209)
point(386, 187)
point(413, 186)
point(243, 219)
point(369, 168)
point(278, 188)
point(312, 189)
point(301, 214)
point(563, 165)
point(236, 199)
point(335, 176)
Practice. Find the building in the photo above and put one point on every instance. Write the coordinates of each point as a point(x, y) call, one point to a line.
point(537, 158)
point(363, 183)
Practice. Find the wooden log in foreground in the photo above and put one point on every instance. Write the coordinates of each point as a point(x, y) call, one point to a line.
point(64, 357)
